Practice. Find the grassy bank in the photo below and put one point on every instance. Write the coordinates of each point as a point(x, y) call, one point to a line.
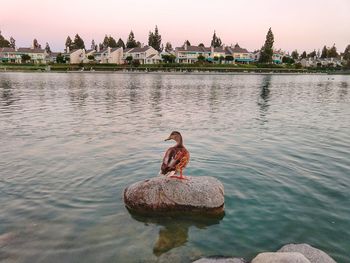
point(248, 68)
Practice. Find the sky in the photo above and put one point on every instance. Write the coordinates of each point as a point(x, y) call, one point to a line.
point(296, 24)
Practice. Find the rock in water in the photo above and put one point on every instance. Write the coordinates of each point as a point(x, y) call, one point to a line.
point(279, 257)
point(220, 260)
point(314, 255)
point(162, 194)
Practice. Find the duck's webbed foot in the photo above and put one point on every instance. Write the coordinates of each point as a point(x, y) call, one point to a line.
point(181, 177)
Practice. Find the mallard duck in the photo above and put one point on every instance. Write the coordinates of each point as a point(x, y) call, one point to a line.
point(176, 158)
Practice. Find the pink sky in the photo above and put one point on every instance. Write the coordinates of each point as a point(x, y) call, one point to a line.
point(296, 24)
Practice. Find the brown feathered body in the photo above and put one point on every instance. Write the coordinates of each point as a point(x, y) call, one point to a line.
point(175, 159)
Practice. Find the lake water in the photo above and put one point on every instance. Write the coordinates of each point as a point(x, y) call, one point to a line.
point(71, 142)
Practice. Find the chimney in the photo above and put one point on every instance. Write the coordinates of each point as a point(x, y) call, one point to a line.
point(142, 45)
point(109, 50)
point(212, 50)
point(67, 49)
point(185, 45)
point(223, 47)
point(98, 48)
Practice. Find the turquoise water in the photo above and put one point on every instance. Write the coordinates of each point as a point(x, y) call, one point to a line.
point(70, 144)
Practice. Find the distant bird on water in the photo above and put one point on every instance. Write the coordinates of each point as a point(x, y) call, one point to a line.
point(176, 158)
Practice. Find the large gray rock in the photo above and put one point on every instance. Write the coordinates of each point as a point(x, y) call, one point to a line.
point(279, 257)
point(220, 260)
point(163, 194)
point(314, 255)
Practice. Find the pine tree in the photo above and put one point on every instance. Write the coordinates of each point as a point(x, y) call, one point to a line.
point(303, 55)
point(12, 42)
point(78, 42)
point(312, 54)
point(120, 43)
point(105, 42)
point(215, 42)
point(168, 47)
point(4, 42)
point(69, 43)
point(346, 54)
point(155, 39)
point(131, 42)
point(187, 43)
point(267, 49)
point(295, 54)
point(324, 53)
point(47, 48)
point(93, 45)
point(332, 52)
point(36, 43)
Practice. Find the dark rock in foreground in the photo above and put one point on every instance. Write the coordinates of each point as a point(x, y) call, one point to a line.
point(220, 260)
point(314, 255)
point(161, 194)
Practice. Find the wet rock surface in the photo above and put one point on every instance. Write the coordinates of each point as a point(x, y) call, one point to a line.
point(280, 257)
point(163, 194)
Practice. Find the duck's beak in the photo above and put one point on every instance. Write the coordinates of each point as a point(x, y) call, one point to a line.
point(167, 139)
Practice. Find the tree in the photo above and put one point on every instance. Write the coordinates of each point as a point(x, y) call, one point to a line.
point(295, 54)
point(312, 54)
point(120, 43)
point(129, 59)
point(168, 47)
point(215, 42)
point(69, 43)
point(4, 42)
point(168, 58)
point(324, 53)
point(201, 58)
point(287, 60)
point(332, 52)
point(187, 43)
point(201, 45)
point(266, 51)
point(93, 45)
point(60, 58)
point(109, 41)
point(155, 39)
point(229, 58)
point(47, 48)
point(36, 43)
point(303, 55)
point(346, 54)
point(131, 42)
point(12, 42)
point(91, 57)
point(25, 58)
point(78, 42)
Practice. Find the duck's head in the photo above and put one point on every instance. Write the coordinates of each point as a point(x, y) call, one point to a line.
point(176, 136)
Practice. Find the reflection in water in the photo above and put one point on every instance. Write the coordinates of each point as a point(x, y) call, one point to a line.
point(6, 92)
point(174, 230)
point(264, 98)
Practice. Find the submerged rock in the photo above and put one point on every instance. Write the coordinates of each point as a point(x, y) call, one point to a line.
point(280, 257)
point(314, 255)
point(163, 194)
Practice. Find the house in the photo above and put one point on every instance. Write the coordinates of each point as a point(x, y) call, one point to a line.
point(75, 56)
point(52, 57)
point(320, 62)
point(9, 55)
point(189, 54)
point(145, 55)
point(277, 56)
point(89, 53)
point(37, 55)
point(109, 55)
point(240, 55)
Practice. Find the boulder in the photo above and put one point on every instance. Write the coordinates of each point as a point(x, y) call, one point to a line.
point(314, 255)
point(164, 194)
point(280, 257)
point(219, 260)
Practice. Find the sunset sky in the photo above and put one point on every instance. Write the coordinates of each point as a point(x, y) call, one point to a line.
point(296, 24)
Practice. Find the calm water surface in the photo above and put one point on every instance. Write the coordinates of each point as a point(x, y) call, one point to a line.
point(70, 144)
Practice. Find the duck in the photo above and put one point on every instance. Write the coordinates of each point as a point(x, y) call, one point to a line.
point(175, 158)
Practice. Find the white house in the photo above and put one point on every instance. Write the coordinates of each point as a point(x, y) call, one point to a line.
point(109, 55)
point(189, 54)
point(240, 55)
point(9, 55)
point(145, 55)
point(37, 55)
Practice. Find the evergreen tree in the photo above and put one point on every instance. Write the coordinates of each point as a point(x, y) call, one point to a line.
point(168, 47)
point(312, 54)
point(303, 55)
point(346, 54)
point(47, 48)
point(4, 42)
point(12, 42)
point(93, 45)
point(201, 45)
point(69, 43)
point(105, 42)
point(267, 49)
point(131, 42)
point(332, 52)
point(324, 53)
point(78, 42)
point(155, 39)
point(138, 44)
point(120, 43)
point(216, 42)
point(36, 43)
point(187, 43)
point(295, 54)
point(111, 42)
